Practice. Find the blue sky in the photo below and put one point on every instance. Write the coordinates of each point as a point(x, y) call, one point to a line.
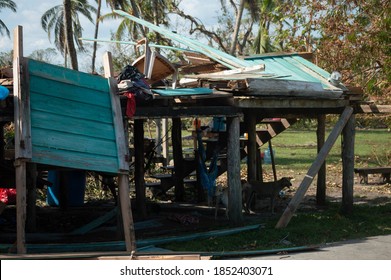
point(30, 11)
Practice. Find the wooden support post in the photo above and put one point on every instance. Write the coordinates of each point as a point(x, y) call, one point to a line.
point(127, 217)
point(31, 224)
point(139, 167)
point(309, 177)
point(348, 137)
point(159, 137)
point(165, 144)
point(251, 147)
point(259, 165)
point(20, 172)
point(321, 180)
point(272, 160)
point(233, 171)
point(2, 141)
point(178, 158)
point(121, 131)
point(23, 149)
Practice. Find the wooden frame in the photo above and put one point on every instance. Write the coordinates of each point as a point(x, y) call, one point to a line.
point(68, 119)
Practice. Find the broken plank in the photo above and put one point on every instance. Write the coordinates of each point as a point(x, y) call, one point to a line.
point(271, 87)
point(96, 223)
point(189, 237)
point(309, 177)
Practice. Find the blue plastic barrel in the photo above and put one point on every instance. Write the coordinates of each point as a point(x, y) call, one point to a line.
point(76, 185)
point(267, 157)
point(3, 92)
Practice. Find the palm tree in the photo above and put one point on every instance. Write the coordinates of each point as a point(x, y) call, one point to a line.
point(252, 7)
point(114, 4)
point(10, 5)
point(63, 21)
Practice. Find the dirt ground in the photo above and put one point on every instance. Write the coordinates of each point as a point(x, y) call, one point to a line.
point(167, 218)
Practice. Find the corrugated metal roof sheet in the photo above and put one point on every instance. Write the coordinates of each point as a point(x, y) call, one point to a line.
point(293, 67)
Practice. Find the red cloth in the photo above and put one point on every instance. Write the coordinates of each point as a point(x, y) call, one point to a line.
point(131, 104)
point(8, 196)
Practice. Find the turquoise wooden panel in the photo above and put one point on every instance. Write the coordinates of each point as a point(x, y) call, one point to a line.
point(70, 108)
point(71, 119)
point(67, 124)
point(75, 160)
point(70, 91)
point(67, 76)
point(73, 142)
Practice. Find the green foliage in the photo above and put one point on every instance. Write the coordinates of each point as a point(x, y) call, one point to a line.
point(307, 228)
point(6, 58)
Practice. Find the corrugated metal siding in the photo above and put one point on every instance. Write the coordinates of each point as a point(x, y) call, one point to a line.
point(71, 119)
point(293, 67)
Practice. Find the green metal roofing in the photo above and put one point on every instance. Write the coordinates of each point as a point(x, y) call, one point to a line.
point(293, 67)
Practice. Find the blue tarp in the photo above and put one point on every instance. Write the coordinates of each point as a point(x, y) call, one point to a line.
point(183, 91)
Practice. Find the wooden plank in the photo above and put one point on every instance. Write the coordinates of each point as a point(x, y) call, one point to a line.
point(294, 103)
point(251, 147)
point(121, 143)
point(373, 109)
point(270, 87)
point(320, 158)
point(68, 141)
point(233, 171)
point(95, 223)
point(55, 157)
point(126, 211)
point(20, 173)
point(321, 179)
point(159, 67)
point(72, 92)
point(66, 76)
point(21, 99)
point(373, 170)
point(70, 109)
point(197, 235)
point(348, 137)
point(71, 125)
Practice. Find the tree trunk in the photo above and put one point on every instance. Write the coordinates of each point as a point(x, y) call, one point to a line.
point(96, 35)
point(69, 33)
point(237, 27)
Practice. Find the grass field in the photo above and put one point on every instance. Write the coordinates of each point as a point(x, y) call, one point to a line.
point(295, 151)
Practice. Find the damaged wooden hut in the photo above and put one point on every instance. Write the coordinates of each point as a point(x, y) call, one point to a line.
point(65, 119)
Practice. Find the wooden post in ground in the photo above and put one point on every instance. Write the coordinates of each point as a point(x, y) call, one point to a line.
point(233, 171)
point(23, 149)
point(139, 167)
point(178, 158)
point(121, 132)
point(309, 177)
point(165, 144)
point(31, 224)
point(251, 123)
point(348, 137)
point(272, 160)
point(321, 181)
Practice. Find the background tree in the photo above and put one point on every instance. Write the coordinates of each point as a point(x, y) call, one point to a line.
point(8, 4)
point(6, 58)
point(48, 55)
point(53, 22)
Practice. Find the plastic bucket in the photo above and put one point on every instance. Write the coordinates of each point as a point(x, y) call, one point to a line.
point(75, 181)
